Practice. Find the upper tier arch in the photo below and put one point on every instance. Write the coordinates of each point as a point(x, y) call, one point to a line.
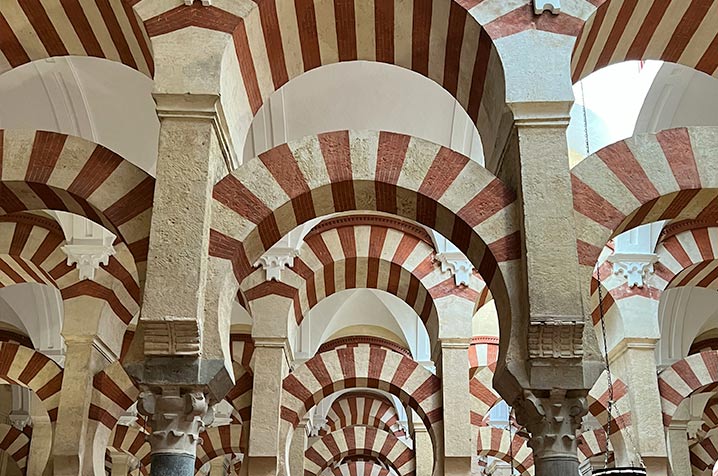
point(669, 30)
point(32, 30)
point(278, 40)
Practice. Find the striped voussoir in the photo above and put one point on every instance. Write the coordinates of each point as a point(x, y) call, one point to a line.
point(131, 440)
point(363, 366)
point(359, 441)
point(710, 417)
point(688, 258)
point(33, 30)
point(669, 175)
point(502, 444)
point(366, 256)
point(591, 443)
point(279, 40)
point(598, 403)
point(363, 408)
point(483, 355)
point(113, 392)
point(50, 171)
point(669, 30)
point(695, 373)
point(224, 440)
point(358, 468)
point(25, 367)
point(30, 252)
point(703, 455)
point(240, 395)
point(372, 171)
point(16, 443)
point(483, 395)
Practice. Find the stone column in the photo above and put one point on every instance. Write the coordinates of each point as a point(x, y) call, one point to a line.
point(298, 447)
point(270, 365)
point(458, 448)
point(635, 362)
point(678, 448)
point(176, 417)
point(71, 450)
point(554, 420)
point(120, 464)
point(423, 449)
point(552, 347)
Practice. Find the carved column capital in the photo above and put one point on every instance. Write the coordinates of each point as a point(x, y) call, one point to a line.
point(634, 267)
point(177, 417)
point(553, 421)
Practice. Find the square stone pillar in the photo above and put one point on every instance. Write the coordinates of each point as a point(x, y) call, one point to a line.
point(454, 371)
point(423, 449)
point(635, 362)
point(120, 463)
point(679, 449)
point(72, 446)
point(298, 447)
point(270, 366)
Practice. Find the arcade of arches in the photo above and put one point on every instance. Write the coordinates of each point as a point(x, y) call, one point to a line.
point(358, 237)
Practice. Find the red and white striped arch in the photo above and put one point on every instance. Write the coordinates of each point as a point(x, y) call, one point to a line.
point(372, 255)
point(688, 259)
point(363, 408)
point(704, 454)
point(358, 468)
point(50, 171)
point(224, 440)
point(591, 443)
point(650, 177)
point(355, 441)
point(278, 40)
point(363, 366)
point(30, 369)
point(710, 416)
point(132, 441)
point(30, 252)
point(372, 171)
point(33, 30)
point(697, 372)
point(677, 31)
point(16, 444)
point(506, 446)
point(113, 392)
point(240, 395)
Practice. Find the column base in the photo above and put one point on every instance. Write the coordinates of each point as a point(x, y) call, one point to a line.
point(557, 466)
point(172, 464)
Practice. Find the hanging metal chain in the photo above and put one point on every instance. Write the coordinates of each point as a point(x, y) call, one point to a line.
point(609, 378)
point(585, 120)
point(511, 440)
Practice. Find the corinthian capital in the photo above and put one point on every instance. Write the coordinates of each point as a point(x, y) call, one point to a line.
point(177, 417)
point(553, 421)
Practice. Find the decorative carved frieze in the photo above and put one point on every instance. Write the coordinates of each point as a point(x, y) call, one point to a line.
point(176, 417)
point(634, 267)
point(172, 336)
point(554, 338)
point(553, 6)
point(553, 421)
point(458, 265)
